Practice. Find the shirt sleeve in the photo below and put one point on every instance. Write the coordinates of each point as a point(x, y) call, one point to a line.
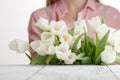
point(112, 16)
point(116, 17)
point(33, 32)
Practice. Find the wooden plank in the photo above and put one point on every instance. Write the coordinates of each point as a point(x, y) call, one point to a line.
point(74, 73)
point(18, 72)
point(115, 69)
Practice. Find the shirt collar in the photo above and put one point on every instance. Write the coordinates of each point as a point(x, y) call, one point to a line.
point(61, 8)
point(91, 4)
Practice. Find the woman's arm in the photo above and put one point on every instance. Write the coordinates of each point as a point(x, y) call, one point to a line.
point(33, 32)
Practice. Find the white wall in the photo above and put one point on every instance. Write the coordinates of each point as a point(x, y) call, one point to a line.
point(14, 17)
point(114, 3)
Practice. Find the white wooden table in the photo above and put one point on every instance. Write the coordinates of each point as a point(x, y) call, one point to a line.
point(71, 72)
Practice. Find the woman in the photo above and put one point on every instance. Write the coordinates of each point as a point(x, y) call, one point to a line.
point(70, 11)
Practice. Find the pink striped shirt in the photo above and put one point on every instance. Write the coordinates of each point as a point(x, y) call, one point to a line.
point(58, 11)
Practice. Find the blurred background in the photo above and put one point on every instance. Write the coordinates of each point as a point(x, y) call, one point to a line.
point(14, 18)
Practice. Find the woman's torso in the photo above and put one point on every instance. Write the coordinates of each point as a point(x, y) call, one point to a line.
point(59, 11)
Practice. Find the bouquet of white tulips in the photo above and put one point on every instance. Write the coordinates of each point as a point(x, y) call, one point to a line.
point(60, 46)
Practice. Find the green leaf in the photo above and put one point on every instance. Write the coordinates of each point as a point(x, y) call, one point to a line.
point(102, 21)
point(74, 47)
point(92, 48)
point(97, 39)
point(98, 60)
point(57, 42)
point(80, 56)
point(92, 53)
point(71, 32)
point(49, 58)
point(91, 42)
point(39, 60)
point(86, 48)
point(86, 60)
point(117, 59)
point(81, 50)
point(89, 46)
point(77, 62)
point(101, 45)
point(53, 60)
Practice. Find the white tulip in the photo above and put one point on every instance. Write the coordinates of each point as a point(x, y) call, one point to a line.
point(73, 40)
point(95, 23)
point(114, 39)
point(47, 36)
point(43, 47)
point(19, 46)
point(65, 37)
point(80, 27)
point(79, 44)
point(111, 38)
point(48, 48)
point(108, 55)
point(36, 46)
point(103, 30)
point(71, 59)
point(62, 51)
point(58, 27)
point(117, 48)
point(43, 24)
